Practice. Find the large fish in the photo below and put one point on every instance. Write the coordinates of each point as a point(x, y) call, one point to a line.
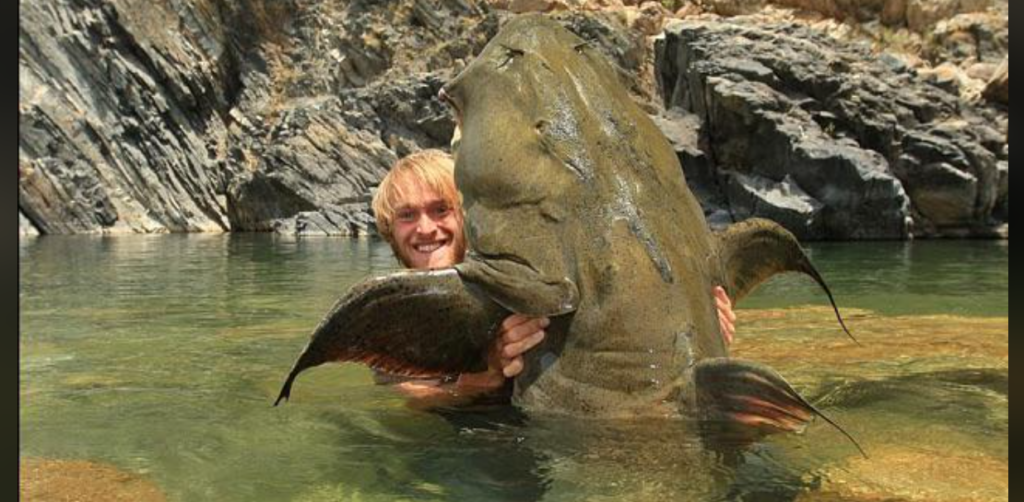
point(576, 208)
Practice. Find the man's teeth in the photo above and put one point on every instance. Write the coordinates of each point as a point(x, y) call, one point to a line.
point(428, 248)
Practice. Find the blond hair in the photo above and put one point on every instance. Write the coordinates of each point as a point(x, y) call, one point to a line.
point(432, 168)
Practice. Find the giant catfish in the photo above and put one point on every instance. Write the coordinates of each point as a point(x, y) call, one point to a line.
point(576, 208)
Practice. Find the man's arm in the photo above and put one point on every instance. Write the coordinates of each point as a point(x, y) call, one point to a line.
point(519, 334)
point(726, 317)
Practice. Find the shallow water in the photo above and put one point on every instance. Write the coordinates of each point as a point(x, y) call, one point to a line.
point(161, 355)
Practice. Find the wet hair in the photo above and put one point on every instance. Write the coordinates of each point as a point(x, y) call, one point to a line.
point(432, 168)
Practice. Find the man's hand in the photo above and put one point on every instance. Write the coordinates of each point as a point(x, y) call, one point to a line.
point(726, 317)
point(518, 335)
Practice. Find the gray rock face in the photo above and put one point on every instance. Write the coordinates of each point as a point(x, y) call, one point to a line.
point(250, 115)
point(283, 115)
point(115, 126)
point(828, 139)
point(194, 116)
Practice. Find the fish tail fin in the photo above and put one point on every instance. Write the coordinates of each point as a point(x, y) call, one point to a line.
point(754, 397)
point(754, 250)
point(286, 389)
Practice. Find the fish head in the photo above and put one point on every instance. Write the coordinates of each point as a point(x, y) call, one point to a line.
point(525, 111)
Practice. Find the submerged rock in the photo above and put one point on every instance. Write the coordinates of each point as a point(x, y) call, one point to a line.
point(82, 481)
point(896, 474)
point(928, 404)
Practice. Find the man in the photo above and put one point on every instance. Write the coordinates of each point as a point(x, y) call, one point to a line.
point(419, 212)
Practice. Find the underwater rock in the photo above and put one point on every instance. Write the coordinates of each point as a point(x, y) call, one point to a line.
point(895, 474)
point(82, 481)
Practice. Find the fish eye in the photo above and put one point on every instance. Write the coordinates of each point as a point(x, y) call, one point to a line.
point(510, 54)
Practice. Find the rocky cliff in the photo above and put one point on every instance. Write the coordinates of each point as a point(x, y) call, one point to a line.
point(282, 115)
point(827, 139)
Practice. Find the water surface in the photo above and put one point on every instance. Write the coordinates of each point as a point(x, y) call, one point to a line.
point(161, 355)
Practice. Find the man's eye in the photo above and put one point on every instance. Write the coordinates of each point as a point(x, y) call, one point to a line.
point(406, 216)
point(441, 211)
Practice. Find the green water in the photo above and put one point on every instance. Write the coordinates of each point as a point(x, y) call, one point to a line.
point(161, 355)
point(968, 278)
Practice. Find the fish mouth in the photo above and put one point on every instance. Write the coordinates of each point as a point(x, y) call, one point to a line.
point(457, 133)
point(447, 99)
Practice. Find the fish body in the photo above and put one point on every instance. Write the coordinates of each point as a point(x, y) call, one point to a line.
point(576, 208)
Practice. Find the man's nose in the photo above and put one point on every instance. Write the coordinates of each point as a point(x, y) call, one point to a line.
point(426, 224)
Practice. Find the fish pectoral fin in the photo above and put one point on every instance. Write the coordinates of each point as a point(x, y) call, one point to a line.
point(754, 250)
point(753, 396)
point(411, 323)
point(519, 288)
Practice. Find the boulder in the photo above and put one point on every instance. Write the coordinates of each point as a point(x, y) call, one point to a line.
point(946, 76)
point(682, 129)
point(782, 201)
point(25, 227)
point(981, 71)
point(603, 5)
point(771, 147)
point(1001, 211)
point(998, 87)
point(976, 36)
point(650, 19)
point(922, 15)
point(874, 149)
point(894, 13)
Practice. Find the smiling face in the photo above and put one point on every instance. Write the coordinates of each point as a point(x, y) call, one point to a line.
point(419, 211)
point(427, 229)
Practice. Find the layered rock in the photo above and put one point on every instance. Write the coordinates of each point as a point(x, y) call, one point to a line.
point(118, 119)
point(962, 40)
point(829, 139)
point(283, 115)
point(215, 116)
point(257, 115)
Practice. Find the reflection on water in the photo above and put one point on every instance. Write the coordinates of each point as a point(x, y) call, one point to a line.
point(160, 356)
